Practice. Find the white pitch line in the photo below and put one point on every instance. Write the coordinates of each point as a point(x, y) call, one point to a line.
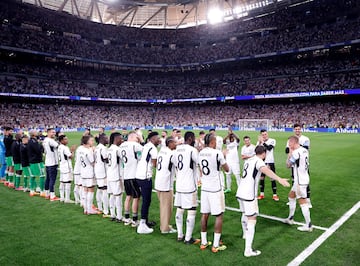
point(321, 239)
point(274, 218)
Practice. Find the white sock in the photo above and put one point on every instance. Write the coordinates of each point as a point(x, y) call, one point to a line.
point(105, 202)
point(244, 223)
point(76, 193)
point(118, 204)
point(237, 177)
point(143, 222)
point(306, 213)
point(112, 205)
point(179, 221)
point(190, 224)
point(47, 193)
point(52, 195)
point(292, 207)
point(99, 199)
point(204, 238)
point(61, 190)
point(228, 181)
point(89, 200)
point(217, 239)
point(84, 200)
point(67, 191)
point(249, 236)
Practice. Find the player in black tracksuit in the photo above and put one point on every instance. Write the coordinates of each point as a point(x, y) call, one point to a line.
point(25, 161)
point(8, 140)
point(15, 150)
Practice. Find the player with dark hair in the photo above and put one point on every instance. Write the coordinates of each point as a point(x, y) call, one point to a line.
point(246, 194)
point(269, 144)
point(144, 173)
point(35, 152)
point(211, 161)
point(25, 162)
point(15, 151)
point(8, 140)
point(187, 178)
point(66, 169)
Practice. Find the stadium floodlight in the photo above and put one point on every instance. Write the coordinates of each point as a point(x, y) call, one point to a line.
point(215, 15)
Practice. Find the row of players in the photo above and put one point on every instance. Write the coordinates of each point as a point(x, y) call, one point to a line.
point(128, 167)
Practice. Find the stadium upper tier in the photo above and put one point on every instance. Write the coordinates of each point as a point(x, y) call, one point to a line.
point(319, 74)
point(315, 23)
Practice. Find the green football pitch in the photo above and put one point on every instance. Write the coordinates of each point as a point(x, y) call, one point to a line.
point(34, 231)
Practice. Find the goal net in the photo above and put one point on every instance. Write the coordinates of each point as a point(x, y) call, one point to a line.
point(254, 124)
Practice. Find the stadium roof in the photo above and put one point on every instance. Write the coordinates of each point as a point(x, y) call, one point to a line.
point(156, 13)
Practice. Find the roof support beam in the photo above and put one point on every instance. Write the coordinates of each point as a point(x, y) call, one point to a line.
point(165, 17)
point(61, 7)
point(133, 16)
point(150, 18)
point(76, 7)
point(98, 10)
point(186, 15)
point(126, 16)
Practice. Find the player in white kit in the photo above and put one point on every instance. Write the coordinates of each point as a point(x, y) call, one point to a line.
point(101, 160)
point(299, 160)
point(187, 178)
point(246, 194)
point(304, 142)
point(211, 161)
point(269, 145)
point(248, 150)
point(66, 169)
point(114, 178)
point(130, 151)
point(78, 189)
point(87, 160)
point(219, 140)
point(232, 158)
point(164, 184)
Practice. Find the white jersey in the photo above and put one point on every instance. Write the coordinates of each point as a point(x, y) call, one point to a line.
point(248, 151)
point(163, 142)
point(51, 152)
point(100, 161)
point(269, 153)
point(65, 165)
point(303, 141)
point(248, 187)
point(113, 166)
point(77, 165)
point(165, 166)
point(87, 159)
point(219, 143)
point(144, 169)
point(187, 174)
point(130, 153)
point(232, 155)
point(300, 160)
point(210, 161)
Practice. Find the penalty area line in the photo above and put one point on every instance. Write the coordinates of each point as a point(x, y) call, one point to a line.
point(321, 239)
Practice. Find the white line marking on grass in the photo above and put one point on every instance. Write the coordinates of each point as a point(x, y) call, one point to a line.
point(274, 218)
point(321, 239)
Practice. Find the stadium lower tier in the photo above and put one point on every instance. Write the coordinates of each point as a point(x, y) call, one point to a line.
point(332, 113)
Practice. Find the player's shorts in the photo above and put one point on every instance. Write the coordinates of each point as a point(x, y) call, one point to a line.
point(17, 167)
point(37, 169)
point(115, 187)
point(26, 171)
point(88, 182)
point(301, 191)
point(66, 177)
point(186, 201)
point(234, 168)
point(9, 161)
point(132, 188)
point(212, 202)
point(271, 166)
point(77, 179)
point(101, 182)
point(249, 208)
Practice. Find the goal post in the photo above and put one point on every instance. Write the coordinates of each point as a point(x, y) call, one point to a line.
point(254, 124)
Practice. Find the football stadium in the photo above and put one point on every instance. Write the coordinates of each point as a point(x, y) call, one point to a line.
point(179, 132)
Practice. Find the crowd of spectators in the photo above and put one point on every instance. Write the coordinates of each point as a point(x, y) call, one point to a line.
point(284, 31)
point(246, 80)
point(331, 114)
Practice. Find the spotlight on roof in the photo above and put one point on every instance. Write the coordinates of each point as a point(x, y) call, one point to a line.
point(215, 15)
